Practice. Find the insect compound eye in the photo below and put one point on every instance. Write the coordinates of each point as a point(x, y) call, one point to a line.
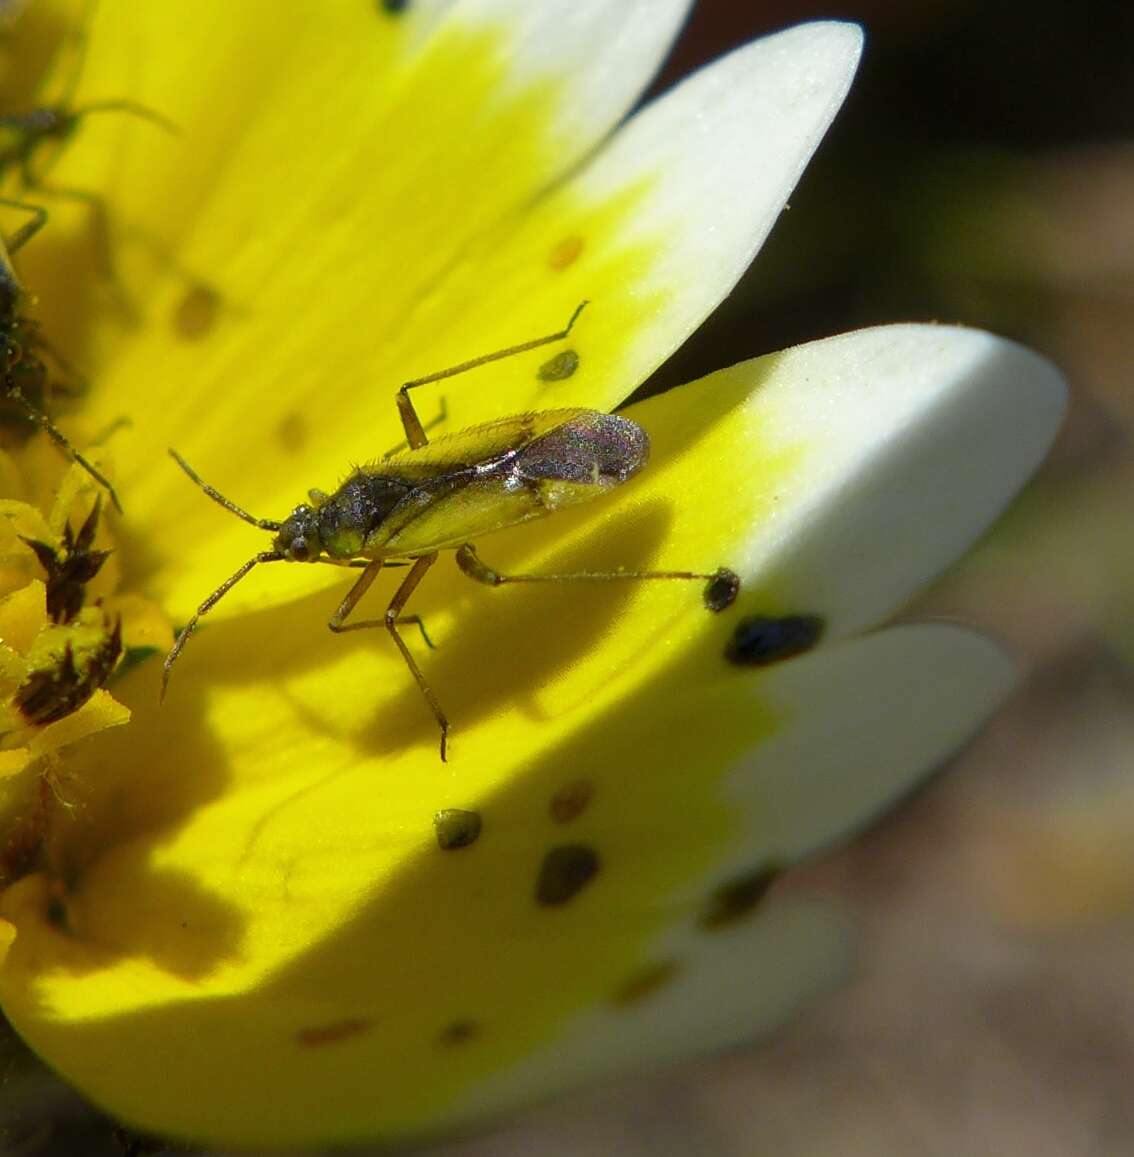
point(299, 550)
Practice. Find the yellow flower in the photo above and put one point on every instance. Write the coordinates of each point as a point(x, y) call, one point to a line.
point(269, 915)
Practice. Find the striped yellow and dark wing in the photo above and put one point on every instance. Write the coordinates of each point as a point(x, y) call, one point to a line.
point(485, 478)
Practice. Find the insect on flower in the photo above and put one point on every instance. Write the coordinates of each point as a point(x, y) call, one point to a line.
point(439, 495)
point(24, 378)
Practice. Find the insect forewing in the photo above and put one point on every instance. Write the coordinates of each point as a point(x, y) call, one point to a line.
point(489, 477)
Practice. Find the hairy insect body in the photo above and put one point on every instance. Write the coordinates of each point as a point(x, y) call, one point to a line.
point(22, 371)
point(466, 485)
point(441, 495)
point(553, 459)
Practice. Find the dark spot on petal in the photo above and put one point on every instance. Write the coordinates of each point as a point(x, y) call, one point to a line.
point(721, 590)
point(565, 253)
point(571, 800)
point(196, 313)
point(329, 1034)
point(393, 7)
point(291, 432)
point(56, 914)
point(459, 1032)
point(564, 873)
point(456, 828)
point(560, 367)
point(739, 897)
point(760, 640)
point(645, 983)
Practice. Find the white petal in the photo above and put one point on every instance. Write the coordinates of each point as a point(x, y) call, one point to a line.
point(870, 718)
point(730, 987)
point(847, 472)
point(915, 438)
point(731, 142)
point(695, 182)
point(397, 140)
point(857, 725)
point(607, 50)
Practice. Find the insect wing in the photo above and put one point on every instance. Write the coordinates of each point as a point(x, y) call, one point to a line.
point(467, 485)
point(464, 512)
point(475, 446)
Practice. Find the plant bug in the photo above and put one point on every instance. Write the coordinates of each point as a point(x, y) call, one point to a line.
point(439, 495)
point(24, 378)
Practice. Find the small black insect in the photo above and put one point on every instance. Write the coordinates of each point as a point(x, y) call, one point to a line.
point(25, 383)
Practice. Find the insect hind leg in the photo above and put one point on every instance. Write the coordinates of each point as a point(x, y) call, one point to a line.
point(38, 219)
point(391, 621)
point(415, 432)
point(720, 591)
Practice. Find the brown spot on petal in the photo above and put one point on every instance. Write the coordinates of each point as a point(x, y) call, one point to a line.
point(456, 828)
point(196, 313)
point(737, 898)
point(291, 432)
point(329, 1034)
point(459, 1032)
point(645, 983)
point(565, 253)
point(565, 871)
point(56, 914)
point(560, 367)
point(571, 800)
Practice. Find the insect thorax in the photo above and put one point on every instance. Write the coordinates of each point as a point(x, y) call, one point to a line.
point(359, 506)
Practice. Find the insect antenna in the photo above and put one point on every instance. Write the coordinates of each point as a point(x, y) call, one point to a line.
point(81, 42)
point(131, 107)
point(211, 601)
point(229, 505)
point(57, 436)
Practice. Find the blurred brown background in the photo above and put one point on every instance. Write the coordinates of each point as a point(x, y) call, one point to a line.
point(982, 172)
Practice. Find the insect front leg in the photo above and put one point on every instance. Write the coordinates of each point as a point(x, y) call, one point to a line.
point(415, 431)
point(720, 590)
point(38, 218)
point(63, 442)
point(391, 621)
point(100, 232)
